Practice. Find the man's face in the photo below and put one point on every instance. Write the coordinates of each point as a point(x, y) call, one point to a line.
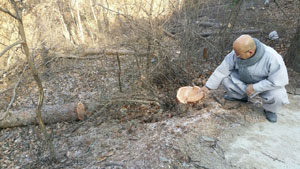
point(243, 54)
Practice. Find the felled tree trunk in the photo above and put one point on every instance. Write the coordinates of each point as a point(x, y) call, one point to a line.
point(51, 114)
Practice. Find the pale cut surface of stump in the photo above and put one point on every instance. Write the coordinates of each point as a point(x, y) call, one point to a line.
point(189, 94)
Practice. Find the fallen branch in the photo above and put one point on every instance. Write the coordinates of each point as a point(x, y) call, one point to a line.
point(69, 56)
point(209, 24)
point(235, 32)
point(94, 51)
point(106, 52)
point(139, 101)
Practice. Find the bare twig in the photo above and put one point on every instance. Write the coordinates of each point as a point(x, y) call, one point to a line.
point(9, 13)
point(76, 57)
point(217, 99)
point(278, 6)
point(116, 12)
point(235, 32)
point(210, 43)
point(293, 93)
point(119, 73)
point(139, 101)
point(273, 158)
point(14, 95)
point(169, 34)
point(9, 47)
point(200, 166)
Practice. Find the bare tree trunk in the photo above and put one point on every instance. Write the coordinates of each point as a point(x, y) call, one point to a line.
point(105, 18)
point(226, 32)
point(93, 11)
point(74, 31)
point(119, 73)
point(36, 78)
point(67, 33)
point(150, 39)
point(81, 35)
point(293, 54)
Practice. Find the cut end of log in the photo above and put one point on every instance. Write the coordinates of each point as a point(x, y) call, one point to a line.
point(80, 111)
point(189, 94)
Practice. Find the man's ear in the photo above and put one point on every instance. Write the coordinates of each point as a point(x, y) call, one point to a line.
point(251, 52)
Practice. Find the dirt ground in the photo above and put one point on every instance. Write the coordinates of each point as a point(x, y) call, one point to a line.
point(220, 134)
point(266, 145)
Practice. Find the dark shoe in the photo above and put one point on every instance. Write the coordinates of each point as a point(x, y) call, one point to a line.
point(272, 117)
point(226, 97)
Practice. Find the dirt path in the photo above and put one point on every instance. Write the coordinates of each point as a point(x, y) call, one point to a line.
point(266, 145)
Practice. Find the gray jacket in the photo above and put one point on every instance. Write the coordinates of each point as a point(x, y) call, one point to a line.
point(268, 73)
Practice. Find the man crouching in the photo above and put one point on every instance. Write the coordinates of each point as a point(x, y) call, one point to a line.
point(252, 68)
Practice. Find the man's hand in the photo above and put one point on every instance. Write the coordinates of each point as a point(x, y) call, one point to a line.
point(205, 90)
point(249, 90)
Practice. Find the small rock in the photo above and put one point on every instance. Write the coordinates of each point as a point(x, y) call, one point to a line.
point(267, 3)
point(297, 91)
point(163, 159)
point(208, 139)
point(273, 35)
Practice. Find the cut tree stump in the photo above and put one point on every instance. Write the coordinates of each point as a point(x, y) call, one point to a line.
point(187, 96)
point(50, 114)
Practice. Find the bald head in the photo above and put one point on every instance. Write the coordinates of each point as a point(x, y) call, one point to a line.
point(244, 46)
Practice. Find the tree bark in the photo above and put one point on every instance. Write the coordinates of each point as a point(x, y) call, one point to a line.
point(293, 53)
point(80, 30)
point(94, 51)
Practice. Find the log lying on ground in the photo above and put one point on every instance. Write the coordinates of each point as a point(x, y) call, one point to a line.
point(98, 51)
point(234, 32)
point(209, 24)
point(50, 114)
point(95, 51)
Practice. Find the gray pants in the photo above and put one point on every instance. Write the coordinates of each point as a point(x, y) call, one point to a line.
point(272, 99)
